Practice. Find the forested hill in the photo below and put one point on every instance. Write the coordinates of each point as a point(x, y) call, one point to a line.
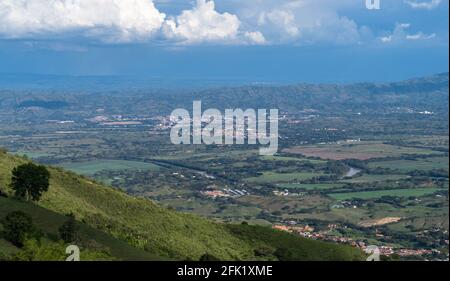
point(420, 94)
point(428, 93)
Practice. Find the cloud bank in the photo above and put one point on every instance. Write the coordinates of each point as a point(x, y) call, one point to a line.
point(299, 22)
point(119, 21)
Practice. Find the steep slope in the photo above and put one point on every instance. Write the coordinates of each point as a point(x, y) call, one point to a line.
point(163, 232)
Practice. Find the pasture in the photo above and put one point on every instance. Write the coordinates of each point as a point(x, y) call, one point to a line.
point(92, 167)
point(33, 154)
point(288, 158)
point(416, 192)
point(360, 151)
point(272, 177)
point(366, 178)
point(310, 187)
point(428, 164)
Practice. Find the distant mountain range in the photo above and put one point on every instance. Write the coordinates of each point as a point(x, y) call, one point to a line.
point(427, 93)
point(111, 83)
point(420, 94)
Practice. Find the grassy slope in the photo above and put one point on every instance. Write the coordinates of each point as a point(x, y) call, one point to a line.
point(161, 232)
point(48, 222)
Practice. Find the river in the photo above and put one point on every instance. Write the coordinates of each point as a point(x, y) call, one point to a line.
point(352, 172)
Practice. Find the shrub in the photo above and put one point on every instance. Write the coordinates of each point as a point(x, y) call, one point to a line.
point(34, 250)
point(17, 227)
point(263, 251)
point(284, 254)
point(68, 231)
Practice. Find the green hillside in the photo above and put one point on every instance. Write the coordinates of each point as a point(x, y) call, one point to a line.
point(158, 231)
point(49, 222)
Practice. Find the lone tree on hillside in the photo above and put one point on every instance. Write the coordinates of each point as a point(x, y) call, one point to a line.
point(29, 181)
point(17, 227)
point(68, 231)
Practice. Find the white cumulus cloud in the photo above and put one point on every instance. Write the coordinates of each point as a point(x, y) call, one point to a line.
point(120, 21)
point(202, 24)
point(106, 20)
point(255, 37)
point(302, 21)
point(283, 20)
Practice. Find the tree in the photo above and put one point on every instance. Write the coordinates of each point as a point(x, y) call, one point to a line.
point(29, 181)
point(69, 230)
point(17, 226)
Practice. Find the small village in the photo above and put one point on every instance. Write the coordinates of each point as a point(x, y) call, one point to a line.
point(226, 192)
point(385, 250)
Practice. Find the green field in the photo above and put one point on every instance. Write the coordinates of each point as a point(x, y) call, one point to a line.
point(360, 150)
point(416, 192)
point(412, 165)
point(310, 187)
point(33, 155)
point(374, 178)
point(92, 167)
point(287, 159)
point(271, 177)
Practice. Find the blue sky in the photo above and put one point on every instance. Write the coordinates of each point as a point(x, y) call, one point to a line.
point(247, 40)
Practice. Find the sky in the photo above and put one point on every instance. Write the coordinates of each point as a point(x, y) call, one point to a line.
point(263, 41)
